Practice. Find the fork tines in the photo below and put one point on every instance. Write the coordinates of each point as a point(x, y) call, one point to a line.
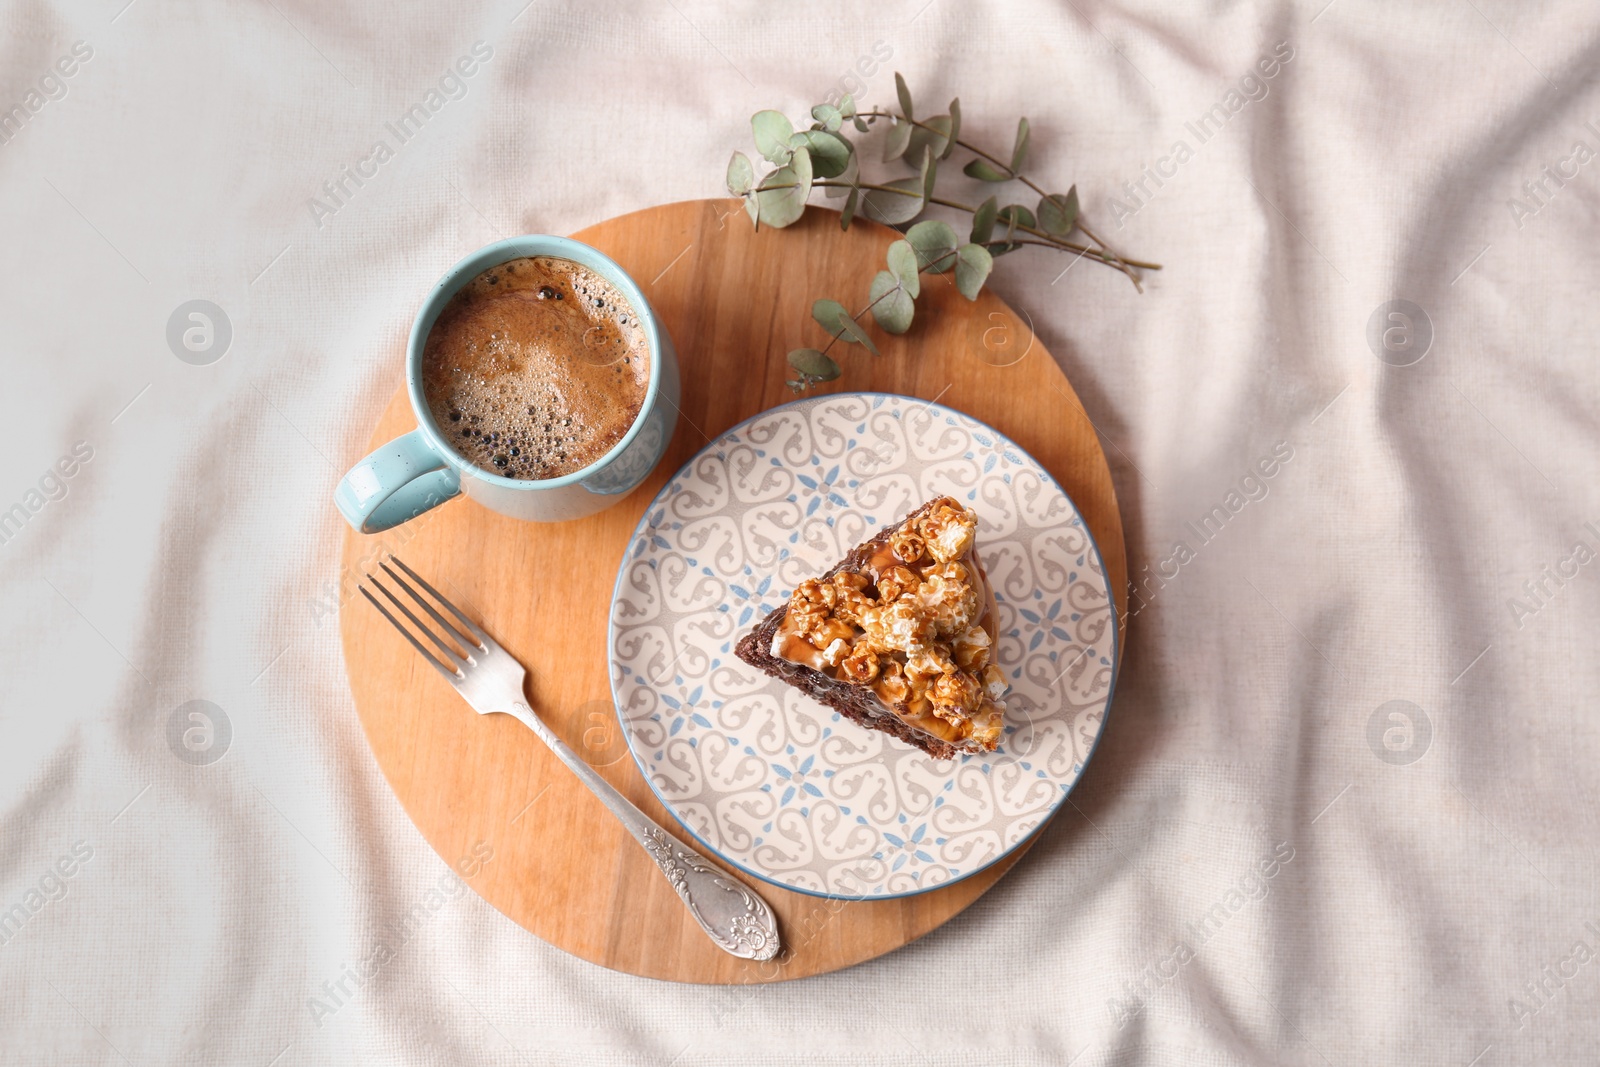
point(467, 637)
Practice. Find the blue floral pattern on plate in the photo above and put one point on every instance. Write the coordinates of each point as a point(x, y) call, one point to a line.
point(766, 777)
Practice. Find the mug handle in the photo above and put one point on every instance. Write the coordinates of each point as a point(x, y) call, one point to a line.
point(398, 481)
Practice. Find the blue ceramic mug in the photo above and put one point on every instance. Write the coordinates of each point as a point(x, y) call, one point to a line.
point(420, 470)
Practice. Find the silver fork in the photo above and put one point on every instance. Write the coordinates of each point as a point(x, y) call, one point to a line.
point(491, 680)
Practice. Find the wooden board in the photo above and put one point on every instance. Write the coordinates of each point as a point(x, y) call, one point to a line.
point(735, 301)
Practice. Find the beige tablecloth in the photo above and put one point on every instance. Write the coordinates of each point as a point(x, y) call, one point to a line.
point(1344, 811)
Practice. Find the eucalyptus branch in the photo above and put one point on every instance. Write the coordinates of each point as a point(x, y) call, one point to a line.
point(821, 156)
point(1046, 241)
point(857, 317)
point(1116, 260)
point(968, 145)
point(813, 365)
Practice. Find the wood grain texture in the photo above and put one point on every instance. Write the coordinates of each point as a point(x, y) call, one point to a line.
point(734, 301)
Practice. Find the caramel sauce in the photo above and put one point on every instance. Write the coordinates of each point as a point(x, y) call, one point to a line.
point(796, 649)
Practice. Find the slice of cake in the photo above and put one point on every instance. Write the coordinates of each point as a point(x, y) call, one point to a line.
point(898, 637)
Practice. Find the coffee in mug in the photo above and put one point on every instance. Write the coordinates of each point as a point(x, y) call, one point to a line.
point(536, 368)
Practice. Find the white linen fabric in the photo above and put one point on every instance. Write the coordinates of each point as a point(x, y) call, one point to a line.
point(1268, 861)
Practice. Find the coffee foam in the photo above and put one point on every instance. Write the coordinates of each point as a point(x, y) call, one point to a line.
point(536, 368)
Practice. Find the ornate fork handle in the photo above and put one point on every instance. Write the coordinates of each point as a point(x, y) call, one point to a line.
point(492, 681)
point(738, 920)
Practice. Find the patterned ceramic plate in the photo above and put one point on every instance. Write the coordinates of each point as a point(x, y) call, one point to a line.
point(772, 781)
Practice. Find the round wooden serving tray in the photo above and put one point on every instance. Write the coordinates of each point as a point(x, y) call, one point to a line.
point(735, 301)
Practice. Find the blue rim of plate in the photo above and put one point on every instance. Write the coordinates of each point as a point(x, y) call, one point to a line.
point(1044, 820)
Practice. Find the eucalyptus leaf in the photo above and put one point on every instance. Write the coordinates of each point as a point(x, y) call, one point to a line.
point(903, 93)
point(973, 264)
point(827, 314)
point(829, 116)
point(861, 124)
point(830, 153)
point(752, 207)
point(855, 334)
point(772, 131)
point(892, 209)
point(1015, 216)
point(898, 140)
point(903, 265)
point(1058, 214)
point(847, 106)
point(1019, 151)
point(982, 170)
point(929, 167)
point(933, 135)
point(849, 211)
point(955, 128)
point(832, 316)
point(813, 364)
point(892, 307)
point(741, 174)
point(850, 179)
point(983, 221)
point(935, 243)
point(783, 193)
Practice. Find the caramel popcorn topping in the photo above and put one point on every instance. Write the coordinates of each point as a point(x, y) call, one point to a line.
point(907, 544)
point(914, 623)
